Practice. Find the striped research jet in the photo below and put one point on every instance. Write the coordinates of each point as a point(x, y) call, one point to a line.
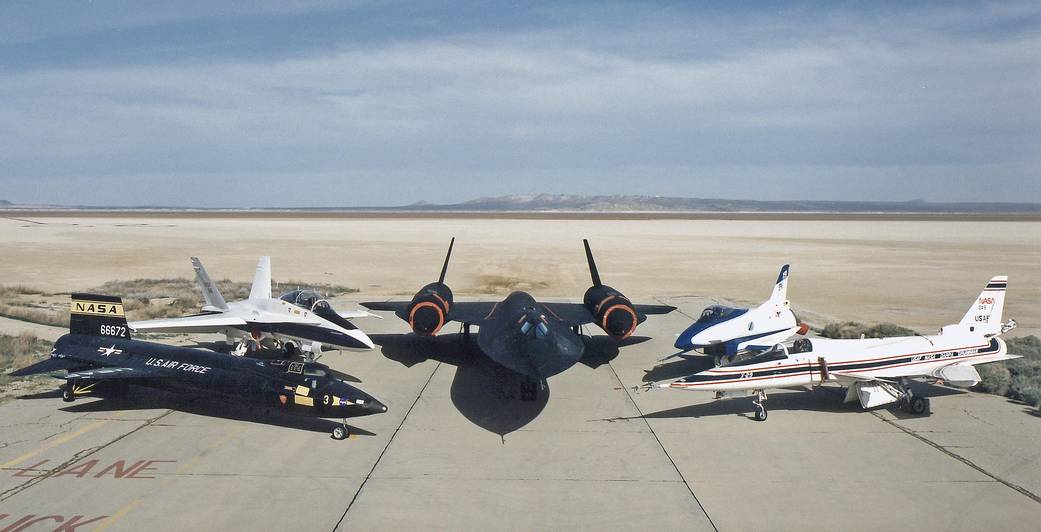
point(877, 371)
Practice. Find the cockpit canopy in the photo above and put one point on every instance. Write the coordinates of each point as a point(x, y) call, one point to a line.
point(308, 299)
point(719, 313)
point(535, 327)
point(748, 358)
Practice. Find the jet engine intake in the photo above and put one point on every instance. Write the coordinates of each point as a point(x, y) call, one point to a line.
point(428, 310)
point(614, 312)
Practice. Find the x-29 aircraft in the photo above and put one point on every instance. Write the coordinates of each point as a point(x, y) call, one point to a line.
point(536, 340)
point(876, 371)
point(99, 354)
point(298, 319)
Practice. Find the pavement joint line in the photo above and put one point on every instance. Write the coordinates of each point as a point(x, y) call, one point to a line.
point(384, 451)
point(11, 492)
point(960, 458)
point(663, 449)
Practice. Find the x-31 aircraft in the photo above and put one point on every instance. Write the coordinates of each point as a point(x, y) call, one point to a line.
point(537, 340)
point(298, 319)
point(99, 354)
point(876, 371)
point(724, 331)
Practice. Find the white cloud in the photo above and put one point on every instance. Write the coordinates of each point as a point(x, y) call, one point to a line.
point(885, 99)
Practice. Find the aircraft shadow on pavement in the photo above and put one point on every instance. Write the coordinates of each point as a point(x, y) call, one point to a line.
point(138, 398)
point(485, 393)
point(602, 350)
point(678, 368)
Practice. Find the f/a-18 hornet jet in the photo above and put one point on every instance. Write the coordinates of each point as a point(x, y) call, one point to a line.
point(876, 371)
point(298, 319)
point(99, 354)
point(536, 340)
point(724, 331)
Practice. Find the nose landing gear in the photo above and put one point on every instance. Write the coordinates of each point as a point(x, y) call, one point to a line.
point(341, 432)
point(759, 402)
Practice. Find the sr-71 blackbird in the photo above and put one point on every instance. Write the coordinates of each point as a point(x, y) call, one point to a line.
point(98, 353)
point(535, 339)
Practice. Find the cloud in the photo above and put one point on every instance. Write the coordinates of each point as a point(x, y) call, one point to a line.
point(922, 104)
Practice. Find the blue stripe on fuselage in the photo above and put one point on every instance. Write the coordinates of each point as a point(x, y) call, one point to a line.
point(685, 340)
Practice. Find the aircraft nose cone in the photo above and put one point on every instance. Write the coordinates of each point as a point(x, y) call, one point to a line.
point(375, 407)
point(685, 341)
point(361, 340)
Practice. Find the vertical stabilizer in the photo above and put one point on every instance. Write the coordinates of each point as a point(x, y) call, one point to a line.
point(98, 315)
point(444, 268)
point(780, 293)
point(213, 297)
point(985, 312)
point(593, 273)
point(262, 280)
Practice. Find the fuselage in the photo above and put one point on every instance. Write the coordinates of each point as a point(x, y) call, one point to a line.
point(846, 360)
point(295, 383)
point(526, 337)
point(725, 331)
point(284, 320)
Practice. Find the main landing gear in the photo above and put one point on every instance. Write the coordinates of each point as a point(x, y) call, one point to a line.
point(759, 402)
point(68, 393)
point(913, 404)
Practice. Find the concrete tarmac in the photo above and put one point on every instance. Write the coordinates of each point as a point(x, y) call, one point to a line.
point(458, 450)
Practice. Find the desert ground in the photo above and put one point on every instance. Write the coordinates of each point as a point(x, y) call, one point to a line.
point(919, 274)
point(597, 450)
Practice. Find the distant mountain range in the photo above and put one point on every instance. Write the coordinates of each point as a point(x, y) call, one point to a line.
point(578, 203)
point(622, 204)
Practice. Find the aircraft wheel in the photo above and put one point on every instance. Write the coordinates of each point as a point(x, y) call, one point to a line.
point(918, 405)
point(341, 432)
point(67, 394)
point(760, 414)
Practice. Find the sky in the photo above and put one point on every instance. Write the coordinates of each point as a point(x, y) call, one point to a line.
point(322, 104)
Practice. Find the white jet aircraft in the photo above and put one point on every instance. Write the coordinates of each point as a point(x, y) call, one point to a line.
point(300, 319)
point(724, 331)
point(876, 371)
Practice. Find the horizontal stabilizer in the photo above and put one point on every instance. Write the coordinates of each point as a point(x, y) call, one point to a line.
point(205, 323)
point(47, 365)
point(961, 375)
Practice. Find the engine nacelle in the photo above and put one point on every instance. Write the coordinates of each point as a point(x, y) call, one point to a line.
point(428, 310)
point(614, 312)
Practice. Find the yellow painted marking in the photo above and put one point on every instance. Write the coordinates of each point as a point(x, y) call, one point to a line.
point(304, 401)
point(116, 516)
point(303, 390)
point(55, 443)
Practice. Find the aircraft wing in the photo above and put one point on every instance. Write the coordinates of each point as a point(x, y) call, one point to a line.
point(352, 314)
point(111, 374)
point(204, 323)
point(397, 307)
point(471, 311)
point(572, 314)
point(654, 309)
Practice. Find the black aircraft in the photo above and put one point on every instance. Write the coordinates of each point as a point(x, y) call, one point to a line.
point(536, 340)
point(99, 354)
